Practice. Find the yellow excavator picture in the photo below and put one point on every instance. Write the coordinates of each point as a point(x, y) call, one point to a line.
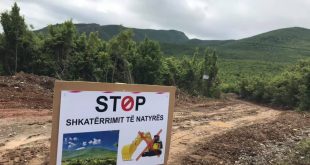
point(153, 148)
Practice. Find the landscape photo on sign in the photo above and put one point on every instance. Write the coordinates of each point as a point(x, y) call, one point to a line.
point(90, 147)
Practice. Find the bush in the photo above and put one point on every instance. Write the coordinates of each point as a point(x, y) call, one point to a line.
point(291, 89)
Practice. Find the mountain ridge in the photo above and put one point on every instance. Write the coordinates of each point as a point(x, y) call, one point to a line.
point(106, 32)
point(284, 44)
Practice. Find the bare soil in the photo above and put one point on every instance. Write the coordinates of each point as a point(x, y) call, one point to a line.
point(205, 131)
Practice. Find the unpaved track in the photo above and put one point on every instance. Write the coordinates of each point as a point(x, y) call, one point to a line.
point(199, 122)
point(24, 136)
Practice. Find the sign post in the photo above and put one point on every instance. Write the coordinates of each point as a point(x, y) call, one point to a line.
point(105, 123)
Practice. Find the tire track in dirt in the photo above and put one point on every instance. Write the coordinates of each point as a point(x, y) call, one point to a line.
point(23, 140)
point(24, 135)
point(262, 143)
point(200, 123)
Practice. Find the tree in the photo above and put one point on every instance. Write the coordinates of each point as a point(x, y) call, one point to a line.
point(1, 53)
point(304, 68)
point(15, 35)
point(211, 84)
point(122, 50)
point(96, 49)
point(104, 67)
point(147, 62)
point(85, 59)
point(291, 89)
point(169, 71)
point(197, 70)
point(59, 44)
point(305, 89)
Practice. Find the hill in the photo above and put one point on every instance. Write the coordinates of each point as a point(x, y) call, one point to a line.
point(282, 45)
point(106, 32)
point(90, 153)
point(263, 55)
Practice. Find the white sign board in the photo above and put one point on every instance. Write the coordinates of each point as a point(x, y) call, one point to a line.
point(116, 126)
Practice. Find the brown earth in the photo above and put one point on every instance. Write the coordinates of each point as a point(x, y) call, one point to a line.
point(205, 131)
point(261, 143)
point(26, 91)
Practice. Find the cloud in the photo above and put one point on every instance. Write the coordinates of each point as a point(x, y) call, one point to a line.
point(224, 19)
point(206, 19)
point(80, 148)
point(71, 145)
point(84, 144)
point(75, 139)
point(96, 141)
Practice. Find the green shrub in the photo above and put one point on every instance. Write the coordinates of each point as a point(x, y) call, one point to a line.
point(291, 89)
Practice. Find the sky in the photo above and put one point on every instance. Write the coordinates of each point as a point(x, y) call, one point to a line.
point(203, 19)
point(80, 141)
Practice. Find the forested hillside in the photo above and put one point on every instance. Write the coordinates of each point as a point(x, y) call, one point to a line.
point(283, 45)
point(252, 67)
point(107, 32)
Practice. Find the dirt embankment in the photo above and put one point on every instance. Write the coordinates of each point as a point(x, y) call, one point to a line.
point(205, 131)
point(26, 91)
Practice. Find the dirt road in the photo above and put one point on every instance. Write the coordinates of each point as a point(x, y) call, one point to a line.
point(198, 122)
point(227, 131)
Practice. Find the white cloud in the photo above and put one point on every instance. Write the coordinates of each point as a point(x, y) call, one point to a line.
point(206, 19)
point(75, 139)
point(71, 145)
point(81, 148)
point(96, 141)
point(84, 144)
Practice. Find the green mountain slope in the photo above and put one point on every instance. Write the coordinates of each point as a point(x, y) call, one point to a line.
point(89, 153)
point(281, 45)
point(108, 31)
point(291, 37)
point(188, 47)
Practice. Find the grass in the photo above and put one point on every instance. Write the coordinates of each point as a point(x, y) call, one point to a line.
point(90, 156)
point(97, 161)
